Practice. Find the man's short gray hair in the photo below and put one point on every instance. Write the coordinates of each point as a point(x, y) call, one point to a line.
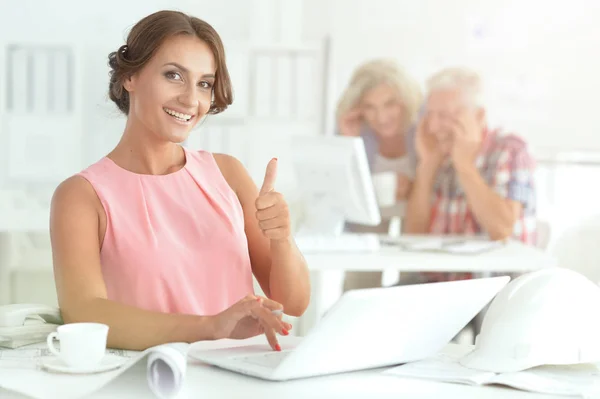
point(464, 79)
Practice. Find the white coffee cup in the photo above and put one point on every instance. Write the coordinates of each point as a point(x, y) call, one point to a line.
point(385, 188)
point(82, 345)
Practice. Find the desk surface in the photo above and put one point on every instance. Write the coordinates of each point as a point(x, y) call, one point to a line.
point(514, 256)
point(203, 381)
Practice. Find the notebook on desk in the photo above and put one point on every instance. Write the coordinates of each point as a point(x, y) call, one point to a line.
point(368, 328)
point(457, 246)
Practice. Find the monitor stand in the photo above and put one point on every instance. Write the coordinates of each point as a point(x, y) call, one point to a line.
point(322, 219)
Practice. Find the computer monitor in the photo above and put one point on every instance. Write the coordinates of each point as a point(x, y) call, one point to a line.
point(335, 184)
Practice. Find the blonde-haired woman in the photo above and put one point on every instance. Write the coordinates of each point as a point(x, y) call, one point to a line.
point(381, 104)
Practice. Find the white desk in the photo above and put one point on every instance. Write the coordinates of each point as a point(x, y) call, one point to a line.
point(207, 382)
point(514, 257)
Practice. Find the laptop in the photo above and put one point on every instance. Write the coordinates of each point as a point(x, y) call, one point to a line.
point(368, 328)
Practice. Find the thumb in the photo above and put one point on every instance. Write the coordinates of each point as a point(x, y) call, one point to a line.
point(270, 175)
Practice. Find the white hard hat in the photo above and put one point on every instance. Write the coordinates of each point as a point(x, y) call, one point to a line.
point(547, 317)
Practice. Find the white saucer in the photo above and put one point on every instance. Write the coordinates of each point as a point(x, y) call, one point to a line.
point(109, 362)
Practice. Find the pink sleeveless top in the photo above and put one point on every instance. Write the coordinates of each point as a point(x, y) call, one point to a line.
point(174, 243)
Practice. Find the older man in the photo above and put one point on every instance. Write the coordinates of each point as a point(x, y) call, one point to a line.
point(470, 179)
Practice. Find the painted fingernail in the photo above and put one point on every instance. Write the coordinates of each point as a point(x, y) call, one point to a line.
point(285, 332)
point(278, 348)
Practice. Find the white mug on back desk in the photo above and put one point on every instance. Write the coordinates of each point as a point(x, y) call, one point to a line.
point(385, 188)
point(82, 345)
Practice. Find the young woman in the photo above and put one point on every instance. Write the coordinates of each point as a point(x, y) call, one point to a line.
point(160, 242)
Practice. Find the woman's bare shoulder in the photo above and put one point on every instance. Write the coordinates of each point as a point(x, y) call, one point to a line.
point(232, 170)
point(73, 193)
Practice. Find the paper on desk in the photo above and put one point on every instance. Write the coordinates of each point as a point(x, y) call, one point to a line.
point(574, 380)
point(452, 246)
point(159, 370)
point(472, 246)
point(166, 369)
point(30, 357)
point(443, 368)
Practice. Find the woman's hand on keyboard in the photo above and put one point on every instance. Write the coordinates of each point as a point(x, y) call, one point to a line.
point(250, 317)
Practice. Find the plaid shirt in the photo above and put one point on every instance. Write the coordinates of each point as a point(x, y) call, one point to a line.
point(507, 167)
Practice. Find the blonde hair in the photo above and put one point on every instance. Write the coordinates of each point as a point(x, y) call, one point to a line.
point(464, 79)
point(381, 71)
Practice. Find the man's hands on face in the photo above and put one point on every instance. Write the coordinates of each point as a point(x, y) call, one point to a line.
point(466, 139)
point(429, 151)
point(461, 142)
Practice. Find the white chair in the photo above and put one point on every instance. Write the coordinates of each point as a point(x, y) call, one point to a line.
point(578, 248)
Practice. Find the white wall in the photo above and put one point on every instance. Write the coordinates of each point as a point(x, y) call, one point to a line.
point(546, 48)
point(539, 61)
point(94, 29)
point(97, 28)
point(101, 27)
point(539, 58)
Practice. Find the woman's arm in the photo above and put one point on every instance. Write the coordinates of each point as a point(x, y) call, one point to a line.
point(277, 263)
point(82, 296)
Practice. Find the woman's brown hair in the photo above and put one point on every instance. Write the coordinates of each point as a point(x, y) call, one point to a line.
point(144, 40)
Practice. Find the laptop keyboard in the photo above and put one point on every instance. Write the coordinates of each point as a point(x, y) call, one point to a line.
point(269, 360)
